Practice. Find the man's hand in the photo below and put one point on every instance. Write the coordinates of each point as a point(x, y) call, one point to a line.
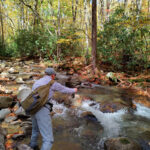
point(75, 90)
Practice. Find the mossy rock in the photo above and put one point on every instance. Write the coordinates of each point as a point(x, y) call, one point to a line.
point(124, 141)
point(121, 143)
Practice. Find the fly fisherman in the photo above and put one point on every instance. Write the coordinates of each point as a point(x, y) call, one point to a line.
point(41, 121)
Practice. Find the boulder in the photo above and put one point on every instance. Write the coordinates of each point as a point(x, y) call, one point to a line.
point(62, 78)
point(5, 101)
point(121, 143)
point(73, 81)
point(3, 113)
point(23, 93)
point(112, 77)
point(89, 116)
point(110, 107)
point(115, 105)
point(20, 111)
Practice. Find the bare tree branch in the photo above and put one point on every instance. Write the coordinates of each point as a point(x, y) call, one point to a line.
point(29, 6)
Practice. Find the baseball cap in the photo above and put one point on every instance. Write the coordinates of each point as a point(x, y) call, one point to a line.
point(50, 71)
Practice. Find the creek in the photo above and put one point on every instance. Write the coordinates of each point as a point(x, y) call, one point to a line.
point(91, 134)
point(73, 131)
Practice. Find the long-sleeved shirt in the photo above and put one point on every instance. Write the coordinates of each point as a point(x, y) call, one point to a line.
point(55, 87)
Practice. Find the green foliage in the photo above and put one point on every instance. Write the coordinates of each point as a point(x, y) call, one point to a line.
point(11, 50)
point(35, 43)
point(124, 42)
point(1, 46)
point(70, 42)
point(7, 49)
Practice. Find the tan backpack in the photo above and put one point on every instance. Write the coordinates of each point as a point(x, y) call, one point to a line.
point(37, 98)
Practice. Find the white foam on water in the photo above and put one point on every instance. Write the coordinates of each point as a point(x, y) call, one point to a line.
point(62, 107)
point(142, 110)
point(110, 121)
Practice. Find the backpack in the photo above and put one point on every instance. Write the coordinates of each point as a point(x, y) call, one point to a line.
point(36, 99)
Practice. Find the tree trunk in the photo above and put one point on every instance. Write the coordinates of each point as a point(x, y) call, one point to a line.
point(27, 18)
point(99, 12)
point(125, 4)
point(138, 7)
point(22, 17)
point(102, 13)
point(86, 31)
point(94, 33)
point(58, 32)
point(74, 9)
point(107, 9)
point(36, 17)
point(148, 8)
point(2, 26)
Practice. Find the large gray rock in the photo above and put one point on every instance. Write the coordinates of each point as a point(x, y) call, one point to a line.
point(121, 143)
point(62, 78)
point(5, 101)
point(23, 93)
point(4, 112)
point(20, 111)
point(73, 81)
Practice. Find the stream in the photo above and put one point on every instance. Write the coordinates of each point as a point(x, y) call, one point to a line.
point(75, 131)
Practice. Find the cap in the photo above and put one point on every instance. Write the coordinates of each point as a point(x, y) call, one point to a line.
point(50, 71)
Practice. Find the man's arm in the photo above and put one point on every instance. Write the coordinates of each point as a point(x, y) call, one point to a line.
point(63, 89)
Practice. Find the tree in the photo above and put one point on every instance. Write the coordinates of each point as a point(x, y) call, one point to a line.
point(94, 33)
point(58, 32)
point(86, 31)
point(2, 25)
point(148, 8)
point(74, 9)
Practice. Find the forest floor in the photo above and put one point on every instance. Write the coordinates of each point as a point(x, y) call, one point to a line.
point(139, 82)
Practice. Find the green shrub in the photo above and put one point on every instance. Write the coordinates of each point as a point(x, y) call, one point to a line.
point(35, 43)
point(124, 42)
point(69, 41)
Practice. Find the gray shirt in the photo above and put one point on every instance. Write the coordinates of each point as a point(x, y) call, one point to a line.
point(55, 87)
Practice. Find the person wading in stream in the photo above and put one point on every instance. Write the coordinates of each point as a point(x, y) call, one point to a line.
point(41, 121)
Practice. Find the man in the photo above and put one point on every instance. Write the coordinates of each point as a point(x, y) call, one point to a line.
point(41, 121)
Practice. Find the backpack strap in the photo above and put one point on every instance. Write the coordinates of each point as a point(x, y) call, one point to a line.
point(51, 82)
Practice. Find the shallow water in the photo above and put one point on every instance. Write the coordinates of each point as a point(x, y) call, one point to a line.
point(134, 124)
point(74, 132)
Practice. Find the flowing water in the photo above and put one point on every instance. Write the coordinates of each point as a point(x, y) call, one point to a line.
point(74, 132)
point(91, 134)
